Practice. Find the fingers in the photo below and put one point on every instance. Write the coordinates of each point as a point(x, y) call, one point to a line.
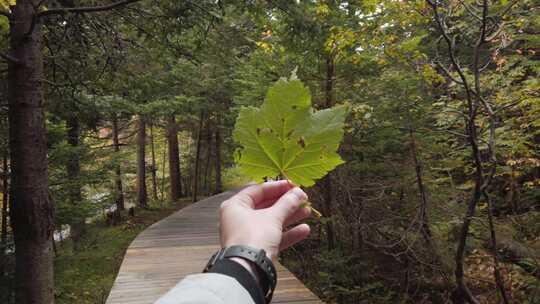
point(256, 194)
point(287, 204)
point(298, 215)
point(266, 204)
point(294, 235)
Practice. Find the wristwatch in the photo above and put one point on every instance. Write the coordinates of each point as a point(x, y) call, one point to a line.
point(258, 258)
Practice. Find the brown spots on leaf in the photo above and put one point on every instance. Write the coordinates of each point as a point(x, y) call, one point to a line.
point(290, 133)
point(301, 142)
point(266, 130)
point(263, 131)
point(294, 107)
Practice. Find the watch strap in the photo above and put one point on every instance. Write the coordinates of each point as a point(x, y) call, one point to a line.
point(258, 257)
point(241, 275)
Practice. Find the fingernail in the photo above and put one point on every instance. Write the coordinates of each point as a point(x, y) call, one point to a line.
point(299, 193)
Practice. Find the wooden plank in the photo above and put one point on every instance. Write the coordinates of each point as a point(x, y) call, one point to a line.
point(180, 245)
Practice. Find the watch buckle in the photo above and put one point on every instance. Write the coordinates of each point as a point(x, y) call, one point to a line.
point(215, 257)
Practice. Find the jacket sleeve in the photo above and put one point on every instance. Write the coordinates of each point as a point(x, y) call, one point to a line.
point(207, 288)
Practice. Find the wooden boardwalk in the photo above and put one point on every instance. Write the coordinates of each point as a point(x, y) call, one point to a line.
point(179, 245)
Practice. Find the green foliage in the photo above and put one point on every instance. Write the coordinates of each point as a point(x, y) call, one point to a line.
point(287, 138)
point(233, 178)
point(211, 61)
point(5, 4)
point(87, 275)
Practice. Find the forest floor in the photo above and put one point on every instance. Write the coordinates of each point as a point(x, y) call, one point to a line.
point(87, 275)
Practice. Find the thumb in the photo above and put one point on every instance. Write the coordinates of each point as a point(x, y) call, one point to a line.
point(288, 203)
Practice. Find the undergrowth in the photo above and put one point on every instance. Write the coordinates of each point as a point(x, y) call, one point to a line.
point(86, 276)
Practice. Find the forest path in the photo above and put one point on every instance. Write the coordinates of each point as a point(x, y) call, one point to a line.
point(179, 245)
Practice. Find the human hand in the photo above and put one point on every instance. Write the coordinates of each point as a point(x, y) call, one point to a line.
point(257, 216)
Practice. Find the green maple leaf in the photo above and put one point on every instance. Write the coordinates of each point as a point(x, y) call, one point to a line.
point(286, 138)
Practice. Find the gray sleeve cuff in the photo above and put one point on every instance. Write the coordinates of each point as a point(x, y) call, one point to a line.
point(207, 288)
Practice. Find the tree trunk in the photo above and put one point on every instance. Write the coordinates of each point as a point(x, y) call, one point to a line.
point(119, 201)
point(189, 169)
point(5, 198)
point(174, 159)
point(32, 210)
point(207, 171)
point(426, 231)
point(327, 197)
point(163, 161)
point(327, 181)
point(154, 167)
point(142, 197)
point(219, 185)
point(513, 195)
point(424, 221)
point(73, 168)
point(55, 251)
point(197, 158)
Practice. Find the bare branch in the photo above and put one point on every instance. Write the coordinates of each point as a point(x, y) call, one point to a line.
point(470, 10)
point(508, 8)
point(495, 31)
point(507, 106)
point(447, 73)
point(85, 9)
point(210, 13)
point(451, 51)
point(461, 135)
point(485, 66)
point(9, 58)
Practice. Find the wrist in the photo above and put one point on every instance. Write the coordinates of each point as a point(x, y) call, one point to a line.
point(250, 267)
point(254, 263)
point(236, 271)
point(268, 251)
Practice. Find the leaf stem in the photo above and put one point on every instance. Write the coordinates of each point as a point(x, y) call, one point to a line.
point(306, 204)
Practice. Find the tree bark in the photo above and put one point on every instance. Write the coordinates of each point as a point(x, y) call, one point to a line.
point(5, 198)
point(197, 159)
point(174, 159)
point(162, 187)
point(142, 196)
point(219, 184)
point(32, 210)
point(327, 196)
point(207, 171)
point(327, 181)
point(119, 201)
point(73, 168)
point(424, 221)
point(426, 231)
point(154, 167)
point(189, 168)
point(513, 195)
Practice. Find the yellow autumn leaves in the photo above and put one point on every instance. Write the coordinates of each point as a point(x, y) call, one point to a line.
point(5, 4)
